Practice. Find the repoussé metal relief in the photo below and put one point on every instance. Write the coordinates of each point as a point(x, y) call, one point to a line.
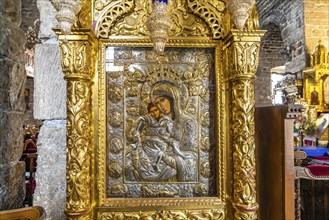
point(159, 125)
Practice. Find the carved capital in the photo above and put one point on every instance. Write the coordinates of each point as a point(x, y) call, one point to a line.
point(78, 54)
point(242, 53)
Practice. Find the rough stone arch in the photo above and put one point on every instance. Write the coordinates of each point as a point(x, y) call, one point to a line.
point(272, 54)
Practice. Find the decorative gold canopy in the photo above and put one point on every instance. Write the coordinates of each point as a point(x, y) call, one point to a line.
point(207, 59)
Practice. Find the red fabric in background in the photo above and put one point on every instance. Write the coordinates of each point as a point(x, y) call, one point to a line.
point(324, 158)
point(319, 170)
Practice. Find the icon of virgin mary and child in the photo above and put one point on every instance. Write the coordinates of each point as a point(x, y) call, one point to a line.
point(165, 139)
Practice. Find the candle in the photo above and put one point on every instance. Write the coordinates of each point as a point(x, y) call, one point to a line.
point(160, 1)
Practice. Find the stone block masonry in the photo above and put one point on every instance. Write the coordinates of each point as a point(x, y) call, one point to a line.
point(49, 83)
point(316, 19)
point(12, 105)
point(50, 106)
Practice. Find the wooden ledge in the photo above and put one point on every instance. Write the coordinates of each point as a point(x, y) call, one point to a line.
point(32, 213)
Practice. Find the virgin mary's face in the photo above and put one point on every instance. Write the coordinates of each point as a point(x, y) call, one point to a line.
point(163, 105)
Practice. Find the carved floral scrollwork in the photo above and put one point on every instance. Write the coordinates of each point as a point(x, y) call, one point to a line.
point(78, 142)
point(107, 15)
point(242, 55)
point(76, 58)
point(84, 15)
point(173, 215)
point(245, 214)
point(245, 55)
point(211, 12)
point(243, 130)
point(190, 18)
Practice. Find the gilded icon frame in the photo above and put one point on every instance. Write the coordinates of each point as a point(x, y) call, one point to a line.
point(107, 207)
point(236, 60)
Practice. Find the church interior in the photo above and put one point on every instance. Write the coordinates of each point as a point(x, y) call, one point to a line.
point(164, 109)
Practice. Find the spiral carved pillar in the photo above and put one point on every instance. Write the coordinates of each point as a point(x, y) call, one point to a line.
point(78, 66)
point(241, 54)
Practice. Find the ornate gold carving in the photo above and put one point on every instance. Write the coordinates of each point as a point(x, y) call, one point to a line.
point(78, 144)
point(245, 55)
point(84, 15)
point(107, 13)
point(101, 150)
point(76, 59)
point(211, 12)
point(190, 18)
point(243, 130)
point(78, 64)
point(195, 21)
point(242, 55)
point(186, 23)
point(214, 214)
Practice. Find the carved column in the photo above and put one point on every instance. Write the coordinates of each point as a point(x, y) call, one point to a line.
point(241, 52)
point(78, 59)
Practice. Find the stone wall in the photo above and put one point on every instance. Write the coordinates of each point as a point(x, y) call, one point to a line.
point(287, 16)
point(30, 13)
point(50, 106)
point(29, 86)
point(50, 176)
point(292, 27)
point(302, 24)
point(270, 56)
point(12, 105)
point(316, 19)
